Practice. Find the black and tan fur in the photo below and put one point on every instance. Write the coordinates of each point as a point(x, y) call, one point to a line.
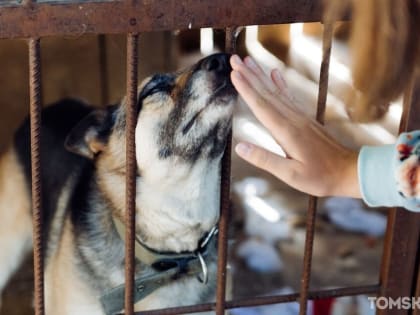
point(183, 121)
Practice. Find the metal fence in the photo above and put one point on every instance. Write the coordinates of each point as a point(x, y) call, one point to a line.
point(399, 275)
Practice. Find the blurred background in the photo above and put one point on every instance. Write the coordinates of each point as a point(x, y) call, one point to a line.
point(267, 230)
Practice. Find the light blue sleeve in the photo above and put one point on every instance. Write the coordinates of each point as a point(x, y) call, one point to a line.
point(389, 175)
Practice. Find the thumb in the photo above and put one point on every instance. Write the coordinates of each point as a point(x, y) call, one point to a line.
point(280, 167)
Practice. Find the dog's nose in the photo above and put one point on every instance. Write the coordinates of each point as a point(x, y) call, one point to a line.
point(217, 63)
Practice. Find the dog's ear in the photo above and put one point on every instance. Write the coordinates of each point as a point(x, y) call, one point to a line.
point(91, 134)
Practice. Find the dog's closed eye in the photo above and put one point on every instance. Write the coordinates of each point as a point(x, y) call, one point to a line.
point(158, 83)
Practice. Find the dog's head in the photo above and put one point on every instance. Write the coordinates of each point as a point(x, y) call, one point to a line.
point(184, 115)
point(182, 126)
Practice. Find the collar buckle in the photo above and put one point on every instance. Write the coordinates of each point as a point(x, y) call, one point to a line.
point(214, 230)
point(205, 278)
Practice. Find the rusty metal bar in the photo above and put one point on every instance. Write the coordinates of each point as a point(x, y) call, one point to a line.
point(267, 300)
point(417, 292)
point(35, 125)
point(400, 261)
point(103, 70)
point(224, 206)
point(131, 167)
point(307, 258)
point(111, 17)
point(312, 207)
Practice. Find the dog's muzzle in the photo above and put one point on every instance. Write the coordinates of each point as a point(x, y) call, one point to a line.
point(219, 65)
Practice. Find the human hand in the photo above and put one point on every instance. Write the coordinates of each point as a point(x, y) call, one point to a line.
point(315, 162)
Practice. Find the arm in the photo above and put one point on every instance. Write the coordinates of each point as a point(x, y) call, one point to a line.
point(315, 163)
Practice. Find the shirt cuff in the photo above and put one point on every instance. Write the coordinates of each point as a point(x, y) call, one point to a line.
point(376, 176)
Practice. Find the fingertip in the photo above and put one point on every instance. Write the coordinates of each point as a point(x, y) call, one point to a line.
point(278, 78)
point(235, 61)
point(243, 149)
point(276, 74)
point(250, 62)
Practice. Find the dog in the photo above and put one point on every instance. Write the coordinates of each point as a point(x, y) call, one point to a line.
point(183, 120)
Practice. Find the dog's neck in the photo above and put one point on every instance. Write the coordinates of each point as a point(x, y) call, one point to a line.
point(176, 203)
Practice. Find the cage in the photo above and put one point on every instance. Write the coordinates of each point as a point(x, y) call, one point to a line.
point(39, 21)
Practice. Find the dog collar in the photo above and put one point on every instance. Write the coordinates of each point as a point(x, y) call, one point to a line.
point(154, 258)
point(166, 266)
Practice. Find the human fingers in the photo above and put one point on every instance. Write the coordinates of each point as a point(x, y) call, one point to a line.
point(259, 73)
point(282, 87)
point(282, 168)
point(263, 109)
point(256, 77)
point(265, 86)
point(278, 80)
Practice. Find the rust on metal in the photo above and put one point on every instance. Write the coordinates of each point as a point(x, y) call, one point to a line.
point(312, 207)
point(417, 292)
point(400, 261)
point(110, 17)
point(32, 20)
point(131, 168)
point(224, 205)
point(267, 300)
point(35, 126)
point(323, 75)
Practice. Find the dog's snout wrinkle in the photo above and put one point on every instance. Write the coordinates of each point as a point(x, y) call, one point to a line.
point(190, 123)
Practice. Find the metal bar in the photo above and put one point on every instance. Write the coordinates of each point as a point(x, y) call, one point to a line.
point(307, 258)
point(103, 69)
point(35, 125)
point(110, 17)
point(417, 292)
point(131, 167)
point(267, 300)
point(401, 252)
point(312, 207)
point(224, 206)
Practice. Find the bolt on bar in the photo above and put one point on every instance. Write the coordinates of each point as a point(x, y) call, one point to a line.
point(312, 207)
point(35, 125)
point(267, 300)
point(131, 167)
point(224, 203)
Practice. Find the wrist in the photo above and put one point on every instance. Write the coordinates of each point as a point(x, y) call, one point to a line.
point(347, 180)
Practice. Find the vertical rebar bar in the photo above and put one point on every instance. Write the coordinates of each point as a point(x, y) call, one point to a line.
point(103, 69)
point(224, 205)
point(131, 167)
point(402, 238)
point(312, 207)
point(35, 126)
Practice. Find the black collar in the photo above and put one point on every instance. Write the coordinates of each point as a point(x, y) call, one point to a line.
point(165, 267)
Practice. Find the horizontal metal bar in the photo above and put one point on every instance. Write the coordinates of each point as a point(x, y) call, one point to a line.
point(47, 19)
point(267, 300)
